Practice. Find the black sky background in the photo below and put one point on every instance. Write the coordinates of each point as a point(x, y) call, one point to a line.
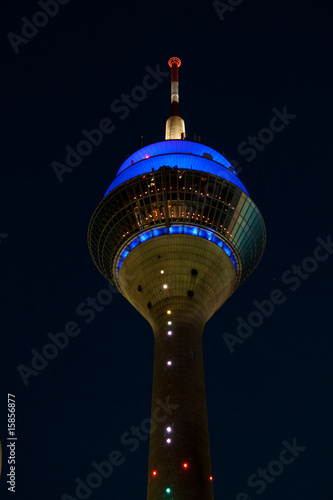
point(277, 385)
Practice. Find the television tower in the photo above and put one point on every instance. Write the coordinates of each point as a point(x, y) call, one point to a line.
point(177, 233)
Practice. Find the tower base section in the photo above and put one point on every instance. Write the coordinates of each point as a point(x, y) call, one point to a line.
point(179, 453)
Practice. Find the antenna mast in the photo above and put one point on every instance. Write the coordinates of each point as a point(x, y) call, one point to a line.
point(175, 125)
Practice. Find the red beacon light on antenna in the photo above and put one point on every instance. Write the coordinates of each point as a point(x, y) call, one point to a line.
point(173, 60)
point(154, 473)
point(185, 465)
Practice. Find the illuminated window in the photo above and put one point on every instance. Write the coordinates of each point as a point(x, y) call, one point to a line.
point(169, 322)
point(168, 440)
point(168, 429)
point(162, 272)
point(169, 312)
point(169, 363)
point(165, 286)
point(169, 332)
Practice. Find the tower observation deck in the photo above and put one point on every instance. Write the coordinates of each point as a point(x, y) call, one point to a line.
point(177, 233)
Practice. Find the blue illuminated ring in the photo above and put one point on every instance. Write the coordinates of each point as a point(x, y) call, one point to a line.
point(177, 229)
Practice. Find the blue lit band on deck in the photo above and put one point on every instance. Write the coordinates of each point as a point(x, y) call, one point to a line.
point(176, 154)
point(177, 229)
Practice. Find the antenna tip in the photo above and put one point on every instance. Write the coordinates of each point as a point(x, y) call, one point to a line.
point(174, 60)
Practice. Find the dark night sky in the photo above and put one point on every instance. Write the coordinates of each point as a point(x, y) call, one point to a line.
point(277, 385)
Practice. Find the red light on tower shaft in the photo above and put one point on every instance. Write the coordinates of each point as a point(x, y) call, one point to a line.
point(154, 473)
point(174, 60)
point(185, 465)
